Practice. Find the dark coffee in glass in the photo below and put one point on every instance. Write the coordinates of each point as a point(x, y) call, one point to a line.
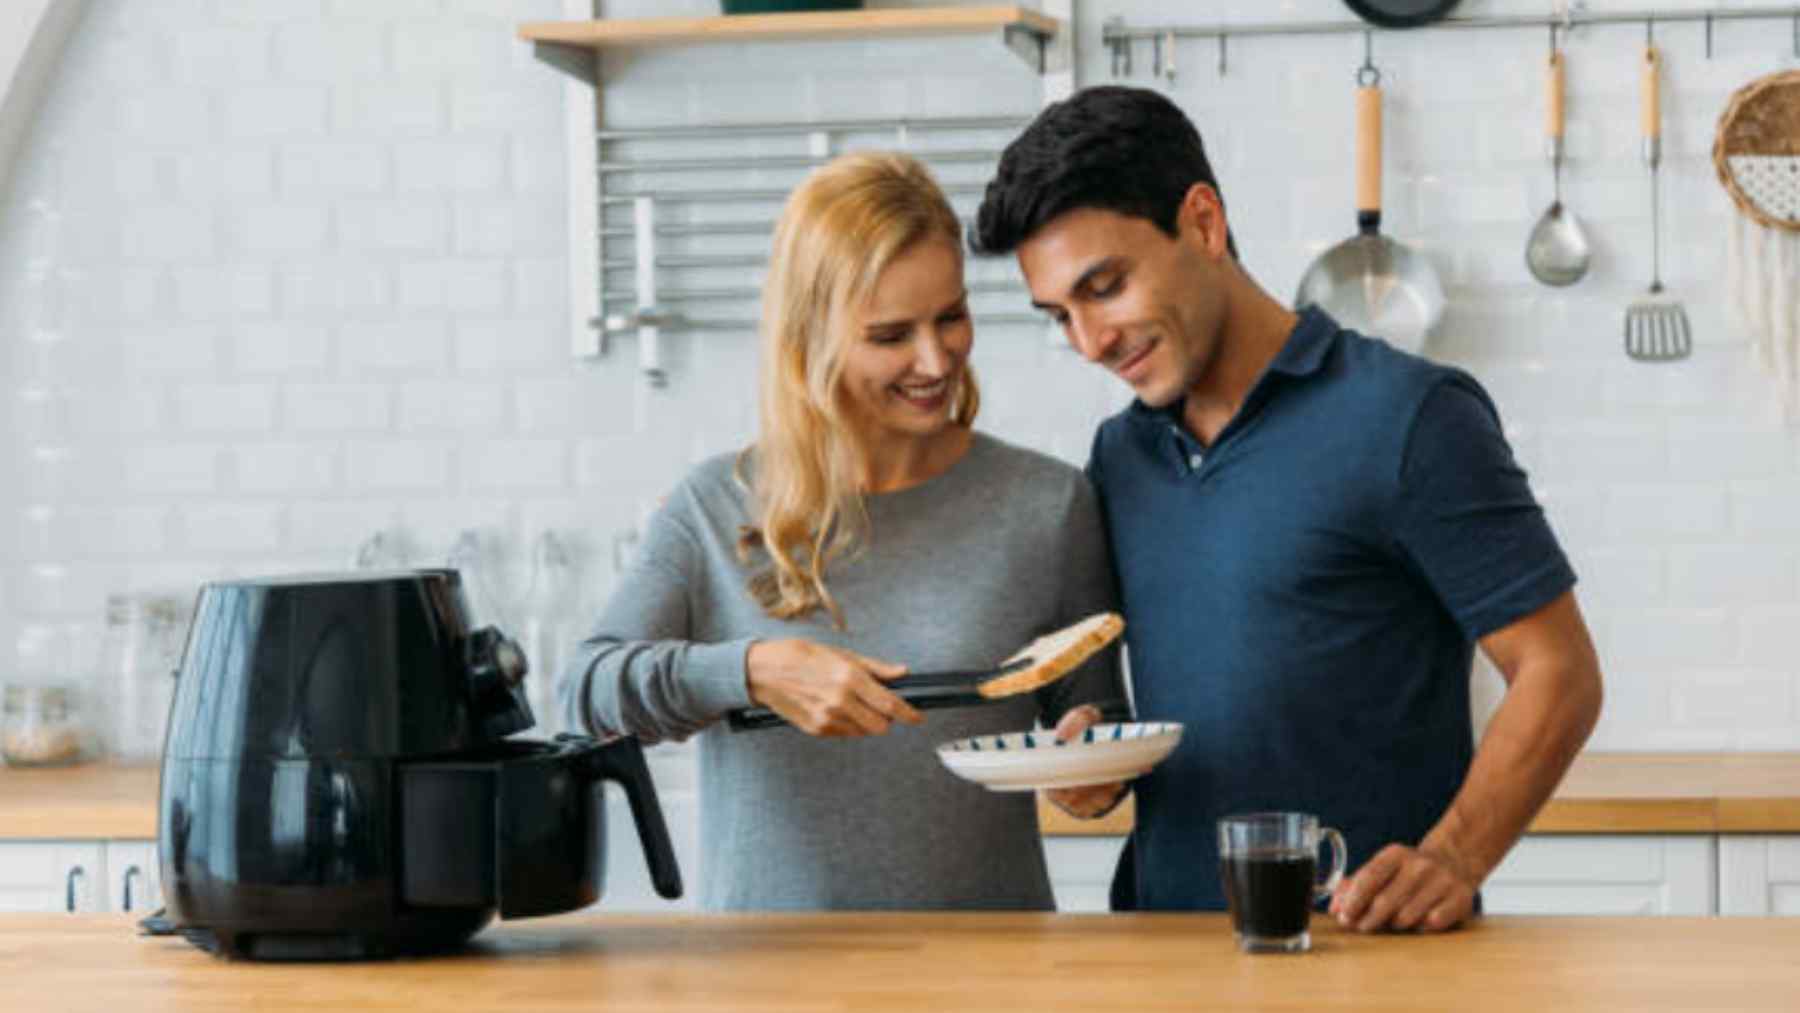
point(1268, 863)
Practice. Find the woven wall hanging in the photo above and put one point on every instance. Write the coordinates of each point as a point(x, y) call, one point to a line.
point(1757, 157)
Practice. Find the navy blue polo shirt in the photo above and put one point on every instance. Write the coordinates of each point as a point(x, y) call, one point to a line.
point(1305, 595)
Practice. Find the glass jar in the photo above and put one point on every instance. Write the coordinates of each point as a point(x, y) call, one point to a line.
point(145, 635)
point(41, 726)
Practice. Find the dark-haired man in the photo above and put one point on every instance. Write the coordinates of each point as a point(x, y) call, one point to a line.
point(1312, 532)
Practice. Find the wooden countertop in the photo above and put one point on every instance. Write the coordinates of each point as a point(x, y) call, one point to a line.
point(919, 961)
point(1623, 793)
point(1604, 793)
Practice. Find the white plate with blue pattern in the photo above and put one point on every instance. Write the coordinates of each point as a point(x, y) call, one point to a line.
point(1028, 761)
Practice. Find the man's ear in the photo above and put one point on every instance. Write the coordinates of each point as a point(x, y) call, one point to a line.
point(1203, 212)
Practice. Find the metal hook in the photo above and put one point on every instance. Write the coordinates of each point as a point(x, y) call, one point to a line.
point(1368, 75)
point(1169, 66)
point(1649, 31)
point(1222, 38)
point(1156, 59)
point(1797, 34)
point(1709, 19)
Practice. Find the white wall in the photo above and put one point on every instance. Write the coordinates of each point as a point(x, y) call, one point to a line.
point(313, 260)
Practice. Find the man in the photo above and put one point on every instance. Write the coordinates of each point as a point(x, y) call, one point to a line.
point(1312, 531)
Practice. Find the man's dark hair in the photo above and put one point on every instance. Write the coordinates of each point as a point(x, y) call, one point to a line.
point(1128, 150)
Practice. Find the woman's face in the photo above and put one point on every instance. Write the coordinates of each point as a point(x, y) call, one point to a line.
point(910, 343)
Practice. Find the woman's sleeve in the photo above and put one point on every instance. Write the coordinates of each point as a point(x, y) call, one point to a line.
point(1088, 586)
point(639, 673)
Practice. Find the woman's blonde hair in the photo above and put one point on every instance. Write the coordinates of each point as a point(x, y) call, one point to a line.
point(840, 229)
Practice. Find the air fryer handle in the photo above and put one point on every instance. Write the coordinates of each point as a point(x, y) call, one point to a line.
point(622, 760)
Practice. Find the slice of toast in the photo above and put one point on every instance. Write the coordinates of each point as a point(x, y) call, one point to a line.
point(1055, 655)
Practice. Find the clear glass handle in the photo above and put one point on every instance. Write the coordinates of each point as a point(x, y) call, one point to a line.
point(1340, 857)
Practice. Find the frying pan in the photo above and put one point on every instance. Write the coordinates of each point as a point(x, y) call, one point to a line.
point(1401, 13)
point(1370, 283)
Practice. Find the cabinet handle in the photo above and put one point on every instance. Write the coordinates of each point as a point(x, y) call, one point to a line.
point(76, 875)
point(131, 872)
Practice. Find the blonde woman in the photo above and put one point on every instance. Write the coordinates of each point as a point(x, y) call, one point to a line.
point(868, 530)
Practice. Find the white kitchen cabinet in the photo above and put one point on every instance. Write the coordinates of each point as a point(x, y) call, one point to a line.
point(133, 879)
point(52, 876)
point(1759, 874)
point(1610, 874)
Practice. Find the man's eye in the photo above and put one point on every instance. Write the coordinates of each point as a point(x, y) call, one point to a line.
point(954, 315)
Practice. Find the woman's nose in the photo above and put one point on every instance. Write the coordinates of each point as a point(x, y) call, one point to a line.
point(932, 357)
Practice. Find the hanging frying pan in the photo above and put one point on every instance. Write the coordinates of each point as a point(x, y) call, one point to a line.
point(1401, 13)
point(1370, 283)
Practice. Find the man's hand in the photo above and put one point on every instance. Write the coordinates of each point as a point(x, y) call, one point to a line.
point(1405, 889)
point(825, 690)
point(1088, 801)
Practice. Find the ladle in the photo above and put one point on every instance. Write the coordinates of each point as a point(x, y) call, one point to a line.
point(1557, 252)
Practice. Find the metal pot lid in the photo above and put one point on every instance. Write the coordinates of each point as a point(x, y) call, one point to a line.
point(1401, 13)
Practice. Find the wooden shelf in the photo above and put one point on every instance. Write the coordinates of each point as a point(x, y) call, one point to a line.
point(1024, 31)
point(812, 25)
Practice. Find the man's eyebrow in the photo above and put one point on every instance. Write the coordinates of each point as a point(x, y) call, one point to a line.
point(1107, 264)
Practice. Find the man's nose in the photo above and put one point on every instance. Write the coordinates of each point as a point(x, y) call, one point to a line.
point(1091, 336)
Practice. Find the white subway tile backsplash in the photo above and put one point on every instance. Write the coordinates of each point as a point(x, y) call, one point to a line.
point(1771, 636)
point(166, 115)
point(329, 52)
point(231, 408)
point(168, 233)
point(333, 167)
point(1633, 638)
point(336, 286)
point(337, 407)
point(171, 350)
point(286, 469)
point(1732, 575)
point(393, 227)
point(277, 112)
point(1671, 510)
point(1731, 699)
point(228, 290)
point(513, 228)
point(232, 528)
point(507, 345)
point(203, 177)
point(171, 470)
point(475, 165)
point(453, 406)
point(387, 108)
point(459, 286)
point(411, 345)
point(281, 230)
point(279, 346)
point(388, 466)
point(220, 56)
point(516, 466)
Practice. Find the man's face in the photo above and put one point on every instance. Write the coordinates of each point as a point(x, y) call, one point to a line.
point(1145, 305)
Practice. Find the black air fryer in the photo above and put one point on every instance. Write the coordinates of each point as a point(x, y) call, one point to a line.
point(337, 782)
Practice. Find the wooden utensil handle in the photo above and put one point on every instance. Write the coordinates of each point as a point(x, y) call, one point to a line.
point(1652, 93)
point(1368, 151)
point(1553, 87)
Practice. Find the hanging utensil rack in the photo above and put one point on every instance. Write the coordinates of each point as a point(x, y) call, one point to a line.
point(1118, 36)
point(670, 227)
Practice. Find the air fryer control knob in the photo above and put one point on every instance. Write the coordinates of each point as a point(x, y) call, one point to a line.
point(496, 668)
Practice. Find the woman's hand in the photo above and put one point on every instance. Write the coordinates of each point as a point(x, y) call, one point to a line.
point(1089, 801)
point(826, 690)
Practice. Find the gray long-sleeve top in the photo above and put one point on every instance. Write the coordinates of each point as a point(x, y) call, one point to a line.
point(959, 572)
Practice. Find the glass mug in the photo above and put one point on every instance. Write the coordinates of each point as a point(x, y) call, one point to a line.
point(1268, 863)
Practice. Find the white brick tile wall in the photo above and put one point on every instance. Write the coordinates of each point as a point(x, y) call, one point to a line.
point(416, 345)
point(227, 408)
point(337, 407)
point(280, 347)
point(321, 280)
point(286, 469)
point(389, 466)
point(227, 529)
point(452, 406)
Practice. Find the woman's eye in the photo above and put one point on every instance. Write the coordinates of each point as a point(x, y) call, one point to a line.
point(1108, 288)
point(887, 337)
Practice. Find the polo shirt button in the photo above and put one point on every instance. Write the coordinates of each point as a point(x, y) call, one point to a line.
point(1194, 461)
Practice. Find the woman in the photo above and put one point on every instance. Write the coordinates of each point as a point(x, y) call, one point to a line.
point(868, 529)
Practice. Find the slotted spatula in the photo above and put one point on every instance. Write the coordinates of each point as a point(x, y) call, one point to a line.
point(1656, 326)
